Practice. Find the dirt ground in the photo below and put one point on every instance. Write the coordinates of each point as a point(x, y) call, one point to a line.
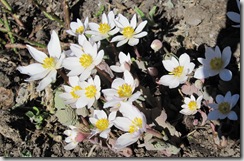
point(188, 25)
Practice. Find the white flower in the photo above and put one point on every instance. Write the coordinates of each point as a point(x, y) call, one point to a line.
point(71, 139)
point(125, 62)
point(179, 71)
point(46, 68)
point(70, 96)
point(84, 61)
point(214, 64)
point(103, 30)
point(191, 105)
point(130, 33)
point(156, 45)
point(122, 90)
point(233, 16)
point(90, 92)
point(223, 107)
point(133, 122)
point(78, 28)
point(102, 123)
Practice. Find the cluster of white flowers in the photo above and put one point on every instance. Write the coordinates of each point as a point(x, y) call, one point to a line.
point(84, 84)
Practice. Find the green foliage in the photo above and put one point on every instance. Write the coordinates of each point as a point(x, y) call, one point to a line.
point(100, 11)
point(37, 117)
point(149, 16)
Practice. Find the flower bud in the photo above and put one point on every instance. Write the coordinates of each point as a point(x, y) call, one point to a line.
point(156, 45)
point(152, 71)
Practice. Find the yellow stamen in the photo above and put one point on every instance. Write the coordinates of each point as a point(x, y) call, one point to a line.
point(125, 90)
point(86, 60)
point(224, 107)
point(136, 125)
point(128, 32)
point(74, 89)
point(192, 105)
point(177, 71)
point(48, 63)
point(102, 124)
point(90, 91)
point(104, 28)
point(216, 63)
point(79, 30)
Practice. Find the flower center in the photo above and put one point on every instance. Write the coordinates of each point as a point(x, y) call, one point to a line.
point(79, 30)
point(102, 124)
point(86, 60)
point(125, 90)
point(48, 63)
point(128, 32)
point(192, 105)
point(90, 91)
point(177, 71)
point(224, 107)
point(136, 125)
point(216, 63)
point(74, 89)
point(104, 28)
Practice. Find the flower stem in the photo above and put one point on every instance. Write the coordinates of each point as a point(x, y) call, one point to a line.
point(104, 74)
point(63, 75)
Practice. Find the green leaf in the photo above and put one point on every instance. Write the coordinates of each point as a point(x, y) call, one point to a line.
point(152, 12)
point(36, 110)
point(59, 102)
point(139, 12)
point(100, 11)
point(67, 116)
point(29, 114)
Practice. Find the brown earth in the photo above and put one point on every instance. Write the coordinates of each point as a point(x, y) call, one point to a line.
point(188, 25)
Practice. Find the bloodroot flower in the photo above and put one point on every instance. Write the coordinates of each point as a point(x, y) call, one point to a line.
point(215, 64)
point(130, 33)
point(46, 68)
point(178, 71)
point(78, 28)
point(223, 107)
point(191, 105)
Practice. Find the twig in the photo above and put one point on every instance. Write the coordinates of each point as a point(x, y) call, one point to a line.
point(90, 152)
point(64, 76)
point(137, 53)
point(15, 17)
point(66, 14)
point(104, 74)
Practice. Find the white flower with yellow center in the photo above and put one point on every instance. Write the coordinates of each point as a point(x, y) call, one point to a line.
point(46, 68)
point(124, 63)
point(103, 30)
point(178, 71)
point(129, 30)
point(73, 138)
point(90, 92)
point(214, 64)
point(70, 96)
point(234, 16)
point(133, 123)
point(102, 123)
point(78, 28)
point(191, 105)
point(222, 109)
point(122, 90)
point(84, 60)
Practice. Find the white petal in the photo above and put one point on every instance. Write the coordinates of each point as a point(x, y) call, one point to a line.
point(51, 77)
point(166, 80)
point(81, 102)
point(93, 120)
point(105, 133)
point(70, 146)
point(116, 69)
point(36, 54)
point(133, 21)
point(120, 43)
point(218, 52)
point(104, 18)
point(76, 71)
point(133, 41)
point(135, 96)
point(81, 39)
point(100, 114)
point(117, 82)
point(125, 140)
point(111, 103)
point(213, 115)
point(184, 59)
point(109, 92)
point(38, 76)
point(112, 116)
point(122, 123)
point(123, 20)
point(71, 63)
point(117, 38)
point(54, 48)
point(140, 26)
point(232, 115)
point(219, 99)
point(226, 55)
point(73, 81)
point(31, 69)
point(201, 73)
point(140, 35)
point(225, 75)
point(234, 100)
point(234, 16)
point(128, 78)
point(114, 31)
point(93, 26)
point(99, 57)
point(85, 74)
point(169, 65)
point(186, 111)
point(67, 132)
point(175, 83)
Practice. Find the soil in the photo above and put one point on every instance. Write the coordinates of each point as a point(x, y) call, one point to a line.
point(187, 25)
